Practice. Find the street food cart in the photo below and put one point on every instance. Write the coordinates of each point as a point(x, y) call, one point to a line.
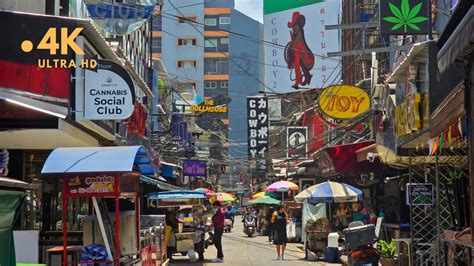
point(105, 175)
point(191, 233)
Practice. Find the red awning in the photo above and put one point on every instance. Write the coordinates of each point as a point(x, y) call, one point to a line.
point(344, 158)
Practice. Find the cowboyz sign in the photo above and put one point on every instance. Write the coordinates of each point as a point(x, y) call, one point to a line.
point(109, 93)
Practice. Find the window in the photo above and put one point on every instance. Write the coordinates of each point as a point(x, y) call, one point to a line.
point(224, 84)
point(157, 23)
point(210, 22)
point(210, 43)
point(155, 45)
point(224, 40)
point(224, 20)
point(187, 19)
point(187, 42)
point(186, 63)
point(213, 66)
point(210, 85)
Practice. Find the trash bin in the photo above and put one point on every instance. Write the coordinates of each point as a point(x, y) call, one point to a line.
point(332, 250)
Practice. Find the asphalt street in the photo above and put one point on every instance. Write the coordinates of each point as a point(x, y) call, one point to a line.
point(241, 250)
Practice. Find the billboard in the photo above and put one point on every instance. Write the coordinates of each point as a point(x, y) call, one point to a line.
point(297, 56)
point(257, 114)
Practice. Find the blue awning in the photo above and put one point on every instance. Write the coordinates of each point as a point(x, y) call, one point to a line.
point(98, 159)
point(160, 184)
point(177, 194)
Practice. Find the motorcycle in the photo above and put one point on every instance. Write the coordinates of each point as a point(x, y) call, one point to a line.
point(249, 225)
point(227, 225)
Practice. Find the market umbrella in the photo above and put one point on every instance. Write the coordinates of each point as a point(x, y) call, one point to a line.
point(329, 192)
point(206, 191)
point(265, 194)
point(265, 200)
point(282, 186)
point(223, 197)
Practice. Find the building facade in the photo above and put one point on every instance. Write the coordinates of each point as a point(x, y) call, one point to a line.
point(195, 40)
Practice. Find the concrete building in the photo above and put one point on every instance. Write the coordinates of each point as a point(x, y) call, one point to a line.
point(215, 50)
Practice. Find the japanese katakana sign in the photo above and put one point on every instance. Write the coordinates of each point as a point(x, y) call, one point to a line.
point(257, 115)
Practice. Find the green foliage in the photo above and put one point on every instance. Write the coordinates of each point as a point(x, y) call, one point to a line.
point(386, 250)
point(404, 16)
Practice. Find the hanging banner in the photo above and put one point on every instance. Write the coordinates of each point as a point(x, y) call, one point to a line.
point(405, 17)
point(299, 27)
point(4, 158)
point(120, 17)
point(343, 101)
point(296, 142)
point(109, 92)
point(194, 168)
point(257, 131)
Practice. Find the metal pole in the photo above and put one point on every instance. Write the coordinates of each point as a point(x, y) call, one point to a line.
point(64, 221)
point(102, 227)
point(438, 218)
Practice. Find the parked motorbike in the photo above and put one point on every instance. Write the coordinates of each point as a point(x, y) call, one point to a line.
point(249, 225)
point(227, 225)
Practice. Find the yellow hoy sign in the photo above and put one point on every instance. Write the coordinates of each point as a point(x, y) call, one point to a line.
point(343, 101)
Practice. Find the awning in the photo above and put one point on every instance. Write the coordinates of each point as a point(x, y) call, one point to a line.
point(176, 194)
point(461, 38)
point(168, 170)
point(417, 50)
point(344, 159)
point(14, 183)
point(98, 159)
point(160, 184)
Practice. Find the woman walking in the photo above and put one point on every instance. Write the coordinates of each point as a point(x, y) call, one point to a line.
point(280, 220)
point(270, 224)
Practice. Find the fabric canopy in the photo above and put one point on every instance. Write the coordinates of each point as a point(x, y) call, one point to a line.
point(98, 159)
point(10, 202)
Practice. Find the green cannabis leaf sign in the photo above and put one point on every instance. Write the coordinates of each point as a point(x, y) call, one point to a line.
point(400, 19)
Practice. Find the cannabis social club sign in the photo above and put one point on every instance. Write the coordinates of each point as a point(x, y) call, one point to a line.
point(404, 17)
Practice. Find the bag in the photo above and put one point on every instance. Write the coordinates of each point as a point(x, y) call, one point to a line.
point(192, 255)
point(291, 230)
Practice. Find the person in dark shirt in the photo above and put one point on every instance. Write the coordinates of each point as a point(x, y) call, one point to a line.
point(218, 224)
point(270, 224)
point(172, 221)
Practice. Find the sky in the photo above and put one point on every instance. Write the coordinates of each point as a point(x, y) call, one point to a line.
point(251, 8)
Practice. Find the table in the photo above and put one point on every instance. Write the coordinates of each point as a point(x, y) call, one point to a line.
point(58, 251)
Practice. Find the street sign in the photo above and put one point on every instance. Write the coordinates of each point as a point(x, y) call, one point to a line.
point(194, 168)
point(258, 129)
point(296, 142)
point(420, 194)
point(405, 17)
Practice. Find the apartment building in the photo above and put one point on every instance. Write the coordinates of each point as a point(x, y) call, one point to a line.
point(214, 49)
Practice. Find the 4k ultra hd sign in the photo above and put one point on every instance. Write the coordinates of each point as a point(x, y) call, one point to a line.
point(108, 92)
point(257, 129)
point(298, 57)
point(405, 17)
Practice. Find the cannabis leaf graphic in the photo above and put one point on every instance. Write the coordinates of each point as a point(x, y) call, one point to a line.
point(406, 16)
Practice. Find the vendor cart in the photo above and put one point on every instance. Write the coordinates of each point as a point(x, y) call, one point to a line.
point(192, 231)
point(317, 238)
point(105, 175)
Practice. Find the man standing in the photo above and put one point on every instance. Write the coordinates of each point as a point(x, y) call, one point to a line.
point(218, 224)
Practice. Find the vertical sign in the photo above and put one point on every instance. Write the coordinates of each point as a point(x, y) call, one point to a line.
point(299, 26)
point(296, 144)
point(257, 115)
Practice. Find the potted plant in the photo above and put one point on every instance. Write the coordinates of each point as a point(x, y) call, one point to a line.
point(386, 251)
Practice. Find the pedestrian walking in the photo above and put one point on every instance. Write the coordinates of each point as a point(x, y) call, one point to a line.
point(270, 224)
point(280, 220)
point(218, 224)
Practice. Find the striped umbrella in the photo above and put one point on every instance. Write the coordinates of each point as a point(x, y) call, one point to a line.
point(265, 200)
point(282, 186)
point(329, 192)
point(222, 197)
point(264, 194)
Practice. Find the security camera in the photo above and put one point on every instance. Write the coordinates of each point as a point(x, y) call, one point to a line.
point(371, 156)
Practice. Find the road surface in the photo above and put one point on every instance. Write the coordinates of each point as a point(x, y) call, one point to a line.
point(256, 251)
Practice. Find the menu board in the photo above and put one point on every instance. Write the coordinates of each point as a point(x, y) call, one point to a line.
point(420, 194)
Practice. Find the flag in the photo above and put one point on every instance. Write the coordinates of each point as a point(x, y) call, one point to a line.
point(435, 146)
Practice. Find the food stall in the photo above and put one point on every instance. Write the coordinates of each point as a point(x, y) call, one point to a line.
point(191, 235)
point(108, 176)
